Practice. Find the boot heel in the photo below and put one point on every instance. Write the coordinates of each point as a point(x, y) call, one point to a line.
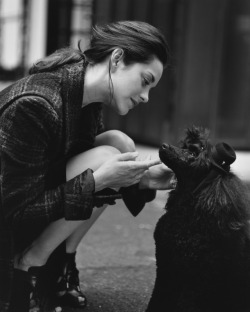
point(68, 291)
point(24, 295)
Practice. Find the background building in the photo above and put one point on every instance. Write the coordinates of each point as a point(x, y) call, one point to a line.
point(207, 82)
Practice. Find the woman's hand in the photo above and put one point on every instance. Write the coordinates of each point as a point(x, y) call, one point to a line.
point(121, 170)
point(157, 178)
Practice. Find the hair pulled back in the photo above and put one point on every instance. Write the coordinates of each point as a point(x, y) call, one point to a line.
point(57, 59)
point(140, 42)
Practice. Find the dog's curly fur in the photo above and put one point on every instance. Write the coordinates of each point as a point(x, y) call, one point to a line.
point(202, 241)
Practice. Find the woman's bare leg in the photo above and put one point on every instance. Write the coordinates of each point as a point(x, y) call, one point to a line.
point(121, 142)
point(58, 231)
point(117, 139)
point(107, 144)
point(75, 238)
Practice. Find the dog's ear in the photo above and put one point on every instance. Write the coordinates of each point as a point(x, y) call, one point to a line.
point(228, 200)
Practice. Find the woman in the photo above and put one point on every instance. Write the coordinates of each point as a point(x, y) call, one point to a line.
point(58, 166)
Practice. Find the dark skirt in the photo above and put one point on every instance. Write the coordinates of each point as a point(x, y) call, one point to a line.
point(25, 231)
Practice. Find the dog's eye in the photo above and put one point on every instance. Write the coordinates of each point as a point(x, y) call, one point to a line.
point(194, 150)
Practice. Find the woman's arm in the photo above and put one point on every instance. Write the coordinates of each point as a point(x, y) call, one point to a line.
point(137, 195)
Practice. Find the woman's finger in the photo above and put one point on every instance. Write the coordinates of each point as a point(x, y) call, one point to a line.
point(154, 162)
point(126, 156)
point(145, 164)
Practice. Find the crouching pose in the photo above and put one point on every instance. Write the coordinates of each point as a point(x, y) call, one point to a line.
point(59, 169)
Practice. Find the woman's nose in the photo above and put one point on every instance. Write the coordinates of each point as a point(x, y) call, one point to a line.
point(144, 97)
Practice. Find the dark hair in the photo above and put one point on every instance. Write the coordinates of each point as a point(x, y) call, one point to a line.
point(58, 58)
point(140, 42)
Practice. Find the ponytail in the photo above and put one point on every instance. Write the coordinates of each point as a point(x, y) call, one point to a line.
point(57, 59)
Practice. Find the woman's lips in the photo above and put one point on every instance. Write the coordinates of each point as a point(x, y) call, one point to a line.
point(134, 102)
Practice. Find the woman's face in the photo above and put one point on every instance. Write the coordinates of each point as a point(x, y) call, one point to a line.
point(132, 83)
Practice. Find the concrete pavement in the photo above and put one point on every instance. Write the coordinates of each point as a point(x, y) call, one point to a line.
point(116, 259)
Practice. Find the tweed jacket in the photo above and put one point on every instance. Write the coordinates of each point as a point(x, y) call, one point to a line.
point(42, 124)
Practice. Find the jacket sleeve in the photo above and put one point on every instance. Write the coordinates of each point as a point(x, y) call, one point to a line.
point(135, 199)
point(29, 130)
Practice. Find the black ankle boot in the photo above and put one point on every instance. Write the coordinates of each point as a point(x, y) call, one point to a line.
point(24, 296)
point(68, 292)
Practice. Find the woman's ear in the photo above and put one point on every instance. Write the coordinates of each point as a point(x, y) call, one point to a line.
point(116, 58)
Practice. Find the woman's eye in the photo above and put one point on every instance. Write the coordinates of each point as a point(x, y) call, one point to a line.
point(146, 82)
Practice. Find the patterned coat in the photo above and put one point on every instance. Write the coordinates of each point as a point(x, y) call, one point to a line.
point(42, 124)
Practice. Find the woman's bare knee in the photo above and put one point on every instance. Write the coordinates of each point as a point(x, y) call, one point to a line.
point(117, 139)
point(92, 159)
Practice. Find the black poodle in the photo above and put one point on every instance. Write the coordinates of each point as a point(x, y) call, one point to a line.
point(202, 241)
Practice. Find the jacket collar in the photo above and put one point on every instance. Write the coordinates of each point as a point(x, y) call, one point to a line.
point(72, 95)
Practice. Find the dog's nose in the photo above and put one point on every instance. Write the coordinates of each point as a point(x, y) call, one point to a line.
point(164, 145)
